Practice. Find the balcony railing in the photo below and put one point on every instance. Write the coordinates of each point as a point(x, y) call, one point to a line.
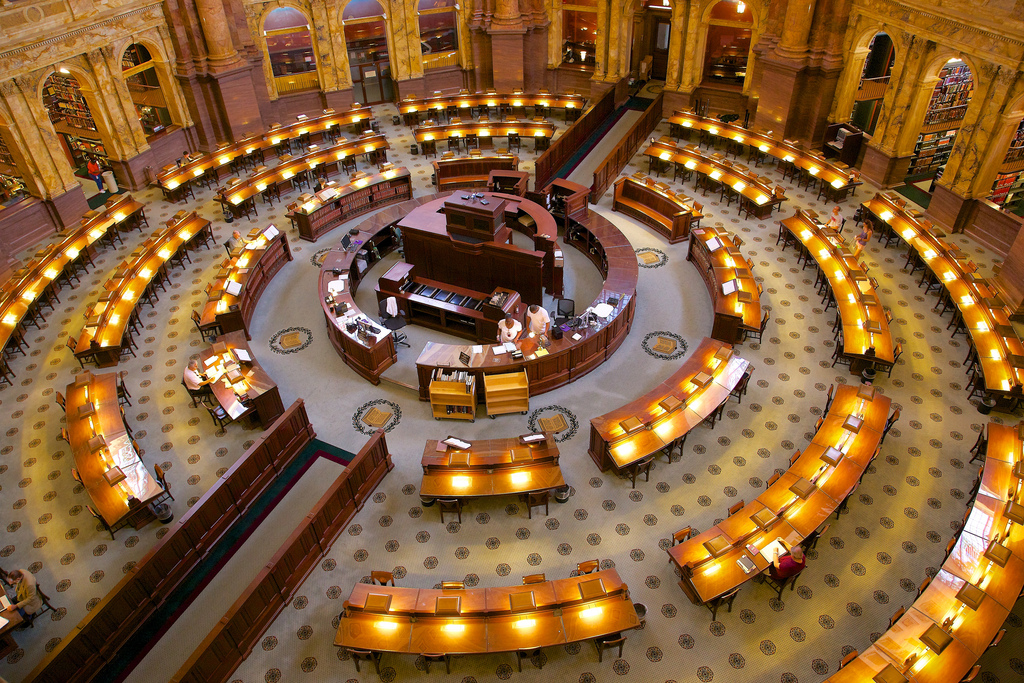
point(440, 59)
point(296, 82)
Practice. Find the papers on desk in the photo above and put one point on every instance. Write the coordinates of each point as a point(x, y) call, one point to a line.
point(336, 286)
point(577, 336)
point(510, 346)
point(242, 355)
point(4, 622)
point(768, 552)
point(210, 361)
point(457, 443)
point(233, 288)
point(498, 350)
point(478, 349)
point(271, 232)
point(250, 246)
point(603, 310)
point(5, 601)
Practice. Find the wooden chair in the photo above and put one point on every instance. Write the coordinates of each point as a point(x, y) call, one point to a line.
point(528, 654)
point(774, 478)
point(896, 617)
point(162, 478)
point(208, 333)
point(828, 398)
point(382, 578)
point(811, 542)
point(122, 391)
point(63, 436)
point(47, 607)
point(102, 521)
point(588, 567)
point(848, 658)
point(365, 656)
point(796, 454)
point(453, 585)
point(736, 508)
point(998, 639)
point(533, 578)
point(60, 401)
point(841, 508)
point(609, 642)
point(923, 586)
point(972, 674)
point(723, 600)
point(741, 387)
point(453, 505)
point(682, 535)
point(980, 448)
point(642, 466)
point(219, 416)
point(893, 419)
point(759, 332)
point(897, 352)
point(536, 500)
point(446, 658)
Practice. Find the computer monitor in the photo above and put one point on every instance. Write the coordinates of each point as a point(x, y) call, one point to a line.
point(346, 242)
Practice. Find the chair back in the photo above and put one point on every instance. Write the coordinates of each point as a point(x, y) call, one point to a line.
point(533, 578)
point(848, 658)
point(60, 401)
point(383, 578)
point(682, 535)
point(896, 617)
point(736, 508)
point(588, 566)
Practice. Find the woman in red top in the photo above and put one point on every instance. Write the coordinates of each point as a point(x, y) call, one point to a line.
point(93, 169)
point(789, 564)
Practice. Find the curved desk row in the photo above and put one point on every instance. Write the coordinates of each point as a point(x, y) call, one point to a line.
point(580, 350)
point(1000, 349)
point(485, 620)
point(838, 180)
point(470, 171)
point(953, 621)
point(173, 176)
point(794, 506)
point(336, 204)
point(103, 334)
point(240, 282)
point(463, 101)
point(726, 273)
point(758, 196)
point(867, 339)
point(485, 129)
point(655, 205)
point(490, 467)
point(108, 466)
point(243, 388)
point(24, 287)
point(667, 413)
point(239, 196)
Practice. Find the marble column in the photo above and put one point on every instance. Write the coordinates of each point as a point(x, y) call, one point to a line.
point(507, 45)
point(796, 29)
point(113, 93)
point(220, 49)
point(678, 38)
point(325, 55)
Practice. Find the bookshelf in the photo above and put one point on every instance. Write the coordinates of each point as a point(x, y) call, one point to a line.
point(453, 394)
point(315, 218)
point(507, 392)
point(931, 152)
point(5, 154)
point(65, 103)
point(1009, 183)
point(946, 110)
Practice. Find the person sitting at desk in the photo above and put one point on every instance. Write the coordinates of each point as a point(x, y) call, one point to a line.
point(788, 565)
point(835, 220)
point(234, 241)
point(196, 382)
point(509, 329)
point(26, 595)
point(538, 321)
point(321, 183)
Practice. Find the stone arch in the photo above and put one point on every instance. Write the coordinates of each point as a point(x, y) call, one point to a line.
point(259, 23)
point(757, 25)
point(169, 87)
point(79, 69)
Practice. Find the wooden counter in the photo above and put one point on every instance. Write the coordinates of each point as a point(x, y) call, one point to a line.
point(251, 392)
point(864, 324)
point(364, 193)
point(249, 271)
point(99, 442)
point(657, 207)
point(730, 283)
point(499, 101)
point(485, 130)
point(20, 291)
point(490, 467)
point(470, 171)
point(702, 384)
point(508, 182)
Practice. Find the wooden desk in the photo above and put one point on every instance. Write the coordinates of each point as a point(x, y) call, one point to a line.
point(792, 519)
point(508, 182)
point(103, 334)
point(470, 171)
point(488, 468)
point(235, 196)
point(840, 180)
point(864, 323)
point(977, 300)
point(174, 176)
point(115, 449)
point(20, 291)
point(759, 197)
point(730, 283)
point(657, 207)
point(405, 620)
point(262, 399)
point(416, 105)
point(720, 370)
point(485, 130)
point(568, 358)
point(362, 194)
point(251, 270)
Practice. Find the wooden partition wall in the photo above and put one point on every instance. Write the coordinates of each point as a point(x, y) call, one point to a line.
point(97, 639)
point(605, 174)
point(231, 641)
point(569, 143)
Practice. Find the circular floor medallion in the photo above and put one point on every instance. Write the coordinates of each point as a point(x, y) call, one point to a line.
point(649, 257)
point(383, 414)
point(553, 417)
point(291, 340)
point(664, 345)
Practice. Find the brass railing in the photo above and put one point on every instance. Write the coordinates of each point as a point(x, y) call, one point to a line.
point(441, 59)
point(295, 82)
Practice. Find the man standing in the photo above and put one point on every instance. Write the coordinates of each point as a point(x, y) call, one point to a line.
point(93, 168)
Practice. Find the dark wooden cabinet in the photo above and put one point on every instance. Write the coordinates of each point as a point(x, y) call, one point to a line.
point(315, 218)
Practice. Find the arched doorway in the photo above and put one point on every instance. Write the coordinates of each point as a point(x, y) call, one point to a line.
point(12, 183)
point(439, 33)
point(73, 120)
point(946, 110)
point(652, 37)
point(874, 81)
point(290, 49)
point(366, 39)
point(579, 33)
point(140, 74)
point(1008, 187)
point(727, 46)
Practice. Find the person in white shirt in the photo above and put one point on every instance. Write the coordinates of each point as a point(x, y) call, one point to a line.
point(509, 329)
point(835, 221)
point(538, 320)
point(236, 240)
point(194, 381)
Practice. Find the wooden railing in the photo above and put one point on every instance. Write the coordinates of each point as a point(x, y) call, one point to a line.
point(440, 60)
point(605, 174)
point(872, 88)
point(307, 80)
point(231, 641)
point(569, 143)
point(97, 639)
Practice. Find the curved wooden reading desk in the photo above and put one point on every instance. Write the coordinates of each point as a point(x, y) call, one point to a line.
point(172, 177)
point(485, 130)
point(411, 107)
point(867, 339)
point(238, 285)
point(730, 282)
point(836, 179)
point(20, 292)
point(103, 335)
point(243, 388)
point(473, 171)
point(335, 204)
point(654, 204)
point(955, 618)
point(794, 506)
point(983, 313)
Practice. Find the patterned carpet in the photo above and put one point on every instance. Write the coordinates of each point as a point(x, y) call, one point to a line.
point(867, 565)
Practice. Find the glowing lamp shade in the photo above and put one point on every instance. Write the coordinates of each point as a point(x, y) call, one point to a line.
point(454, 628)
point(390, 173)
point(287, 174)
point(713, 130)
point(385, 625)
point(813, 170)
point(525, 623)
point(362, 182)
point(761, 199)
point(739, 185)
point(261, 186)
point(50, 273)
point(73, 252)
point(275, 140)
point(966, 300)
point(687, 124)
point(737, 137)
point(691, 165)
point(788, 157)
point(665, 156)
point(460, 482)
point(763, 148)
point(520, 477)
point(837, 183)
point(172, 184)
point(591, 613)
point(930, 253)
point(886, 215)
point(165, 254)
point(10, 319)
point(368, 148)
point(237, 199)
point(715, 175)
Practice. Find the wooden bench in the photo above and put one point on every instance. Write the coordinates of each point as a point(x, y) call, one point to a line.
point(450, 174)
point(658, 208)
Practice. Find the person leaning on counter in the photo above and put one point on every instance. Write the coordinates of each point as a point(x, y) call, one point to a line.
point(28, 600)
point(538, 321)
point(509, 329)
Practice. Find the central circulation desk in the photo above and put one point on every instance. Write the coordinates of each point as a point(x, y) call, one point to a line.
point(824, 474)
point(490, 467)
point(730, 283)
point(1000, 350)
point(864, 323)
point(247, 274)
point(485, 620)
point(670, 410)
point(262, 398)
point(100, 443)
point(580, 350)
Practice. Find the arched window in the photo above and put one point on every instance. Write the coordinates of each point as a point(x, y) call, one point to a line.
point(439, 35)
point(140, 74)
point(72, 119)
point(290, 46)
point(579, 33)
point(946, 110)
point(728, 43)
point(873, 83)
point(366, 37)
